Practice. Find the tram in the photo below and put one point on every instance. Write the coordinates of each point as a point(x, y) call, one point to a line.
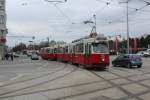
point(89, 52)
point(48, 53)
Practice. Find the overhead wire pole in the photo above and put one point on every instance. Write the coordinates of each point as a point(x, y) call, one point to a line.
point(95, 23)
point(128, 41)
point(127, 16)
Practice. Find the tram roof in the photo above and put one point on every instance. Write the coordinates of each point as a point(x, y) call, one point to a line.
point(91, 40)
point(88, 39)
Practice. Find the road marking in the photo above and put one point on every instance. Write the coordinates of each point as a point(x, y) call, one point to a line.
point(18, 76)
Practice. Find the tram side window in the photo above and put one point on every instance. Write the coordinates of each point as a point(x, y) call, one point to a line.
point(66, 49)
point(55, 50)
point(60, 50)
point(87, 48)
point(70, 49)
point(74, 49)
point(80, 48)
point(49, 51)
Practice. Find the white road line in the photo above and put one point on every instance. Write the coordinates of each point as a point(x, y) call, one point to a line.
point(18, 76)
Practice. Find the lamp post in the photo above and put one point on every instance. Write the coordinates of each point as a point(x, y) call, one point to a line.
point(128, 42)
point(127, 17)
point(30, 44)
point(48, 40)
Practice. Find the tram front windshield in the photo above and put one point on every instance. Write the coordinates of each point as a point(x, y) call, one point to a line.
point(100, 48)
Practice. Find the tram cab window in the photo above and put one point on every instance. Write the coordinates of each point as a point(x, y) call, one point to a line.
point(100, 48)
point(47, 50)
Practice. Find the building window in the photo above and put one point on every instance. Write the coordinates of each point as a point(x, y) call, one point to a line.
point(2, 5)
point(2, 19)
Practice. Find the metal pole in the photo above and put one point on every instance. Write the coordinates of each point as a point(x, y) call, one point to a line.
point(48, 41)
point(95, 21)
point(128, 42)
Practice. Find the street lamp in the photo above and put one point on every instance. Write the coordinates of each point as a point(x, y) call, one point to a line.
point(30, 44)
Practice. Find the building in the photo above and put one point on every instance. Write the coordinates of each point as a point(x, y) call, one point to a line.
point(3, 29)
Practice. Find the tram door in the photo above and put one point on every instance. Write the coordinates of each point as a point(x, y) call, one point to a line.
point(87, 53)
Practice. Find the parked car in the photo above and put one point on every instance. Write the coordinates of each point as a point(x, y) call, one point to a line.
point(29, 53)
point(15, 55)
point(34, 56)
point(143, 53)
point(148, 50)
point(128, 60)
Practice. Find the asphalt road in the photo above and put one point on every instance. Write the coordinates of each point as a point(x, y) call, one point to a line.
point(24, 79)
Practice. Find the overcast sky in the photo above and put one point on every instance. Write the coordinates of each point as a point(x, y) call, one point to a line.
point(65, 21)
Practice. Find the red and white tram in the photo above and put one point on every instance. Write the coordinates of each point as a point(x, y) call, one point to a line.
point(89, 52)
point(48, 53)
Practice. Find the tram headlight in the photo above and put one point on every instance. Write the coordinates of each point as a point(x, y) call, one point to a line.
point(103, 59)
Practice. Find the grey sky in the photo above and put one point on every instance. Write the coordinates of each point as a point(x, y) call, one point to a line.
point(42, 19)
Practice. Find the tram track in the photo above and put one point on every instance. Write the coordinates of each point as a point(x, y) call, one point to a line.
point(129, 71)
point(129, 95)
point(6, 94)
point(7, 84)
point(53, 89)
point(119, 86)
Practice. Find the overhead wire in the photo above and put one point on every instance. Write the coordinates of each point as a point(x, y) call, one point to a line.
point(102, 9)
point(66, 16)
point(55, 4)
point(107, 3)
point(121, 6)
point(135, 10)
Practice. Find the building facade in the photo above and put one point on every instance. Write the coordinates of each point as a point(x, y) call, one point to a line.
point(3, 29)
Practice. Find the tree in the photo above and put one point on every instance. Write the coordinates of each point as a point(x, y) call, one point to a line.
point(19, 47)
point(142, 42)
point(147, 41)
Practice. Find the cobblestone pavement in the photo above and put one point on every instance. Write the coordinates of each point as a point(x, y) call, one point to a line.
point(24, 79)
